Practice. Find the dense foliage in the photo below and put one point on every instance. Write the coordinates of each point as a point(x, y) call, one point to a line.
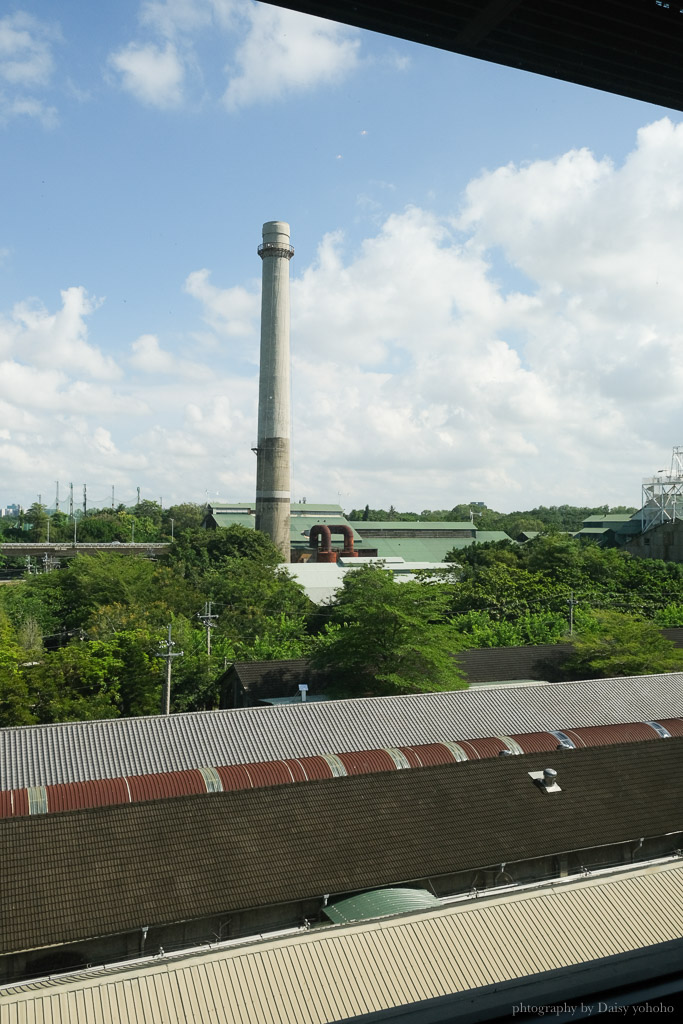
point(388, 637)
point(85, 641)
point(88, 640)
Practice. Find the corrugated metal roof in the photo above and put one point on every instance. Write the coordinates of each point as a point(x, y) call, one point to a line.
point(341, 972)
point(95, 872)
point(304, 508)
point(612, 517)
point(418, 549)
point(406, 524)
point(76, 751)
point(107, 792)
point(380, 903)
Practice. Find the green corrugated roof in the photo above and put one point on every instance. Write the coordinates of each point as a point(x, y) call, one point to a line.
point(226, 519)
point(592, 530)
point(491, 535)
point(310, 508)
point(380, 903)
point(613, 517)
point(406, 524)
point(417, 549)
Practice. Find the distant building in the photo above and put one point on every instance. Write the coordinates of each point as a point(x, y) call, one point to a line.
point(424, 542)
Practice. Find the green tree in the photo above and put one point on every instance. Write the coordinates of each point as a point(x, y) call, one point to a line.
point(609, 643)
point(76, 682)
point(197, 552)
point(14, 695)
point(388, 637)
point(186, 516)
point(36, 517)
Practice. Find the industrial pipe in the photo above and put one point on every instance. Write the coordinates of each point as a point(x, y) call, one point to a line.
point(325, 552)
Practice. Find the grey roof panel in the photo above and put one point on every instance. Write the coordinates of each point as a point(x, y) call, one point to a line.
point(76, 751)
point(335, 973)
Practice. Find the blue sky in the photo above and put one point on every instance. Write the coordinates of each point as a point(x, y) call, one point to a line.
point(485, 298)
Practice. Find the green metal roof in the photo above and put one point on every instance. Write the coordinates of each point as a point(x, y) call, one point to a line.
point(225, 519)
point(407, 524)
point(417, 549)
point(613, 517)
point(380, 903)
point(309, 508)
point(592, 531)
point(491, 535)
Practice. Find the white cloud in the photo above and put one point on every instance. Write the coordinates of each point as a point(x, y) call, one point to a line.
point(149, 357)
point(153, 75)
point(529, 350)
point(57, 339)
point(285, 52)
point(268, 52)
point(229, 311)
point(25, 50)
point(26, 66)
point(173, 18)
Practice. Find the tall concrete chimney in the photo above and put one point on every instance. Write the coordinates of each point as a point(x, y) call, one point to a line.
point(272, 453)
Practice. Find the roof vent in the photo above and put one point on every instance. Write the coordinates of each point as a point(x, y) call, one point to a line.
point(564, 746)
point(546, 780)
point(505, 753)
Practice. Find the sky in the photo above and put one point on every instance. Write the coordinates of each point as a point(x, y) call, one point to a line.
point(485, 293)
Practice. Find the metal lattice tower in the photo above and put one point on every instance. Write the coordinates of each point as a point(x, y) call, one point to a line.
point(662, 495)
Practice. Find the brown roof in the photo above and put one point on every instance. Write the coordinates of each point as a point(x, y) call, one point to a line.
point(480, 665)
point(107, 870)
point(263, 679)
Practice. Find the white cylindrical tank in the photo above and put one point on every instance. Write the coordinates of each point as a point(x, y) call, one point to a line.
point(272, 455)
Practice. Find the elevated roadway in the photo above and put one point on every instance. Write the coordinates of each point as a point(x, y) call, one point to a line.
point(69, 549)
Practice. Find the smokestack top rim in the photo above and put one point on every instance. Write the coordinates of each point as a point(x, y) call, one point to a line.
point(275, 227)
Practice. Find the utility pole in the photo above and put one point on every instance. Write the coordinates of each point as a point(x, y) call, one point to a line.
point(571, 602)
point(207, 618)
point(85, 500)
point(138, 501)
point(112, 495)
point(57, 498)
point(168, 655)
point(71, 499)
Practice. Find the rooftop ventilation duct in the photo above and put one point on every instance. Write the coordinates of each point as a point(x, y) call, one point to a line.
point(546, 780)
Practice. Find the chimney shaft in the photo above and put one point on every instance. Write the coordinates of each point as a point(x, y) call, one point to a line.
point(272, 456)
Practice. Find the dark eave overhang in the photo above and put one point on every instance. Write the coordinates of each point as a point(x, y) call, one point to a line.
point(630, 47)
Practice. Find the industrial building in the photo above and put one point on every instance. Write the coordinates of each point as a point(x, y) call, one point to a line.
point(123, 874)
point(412, 542)
point(105, 883)
point(72, 752)
point(613, 934)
